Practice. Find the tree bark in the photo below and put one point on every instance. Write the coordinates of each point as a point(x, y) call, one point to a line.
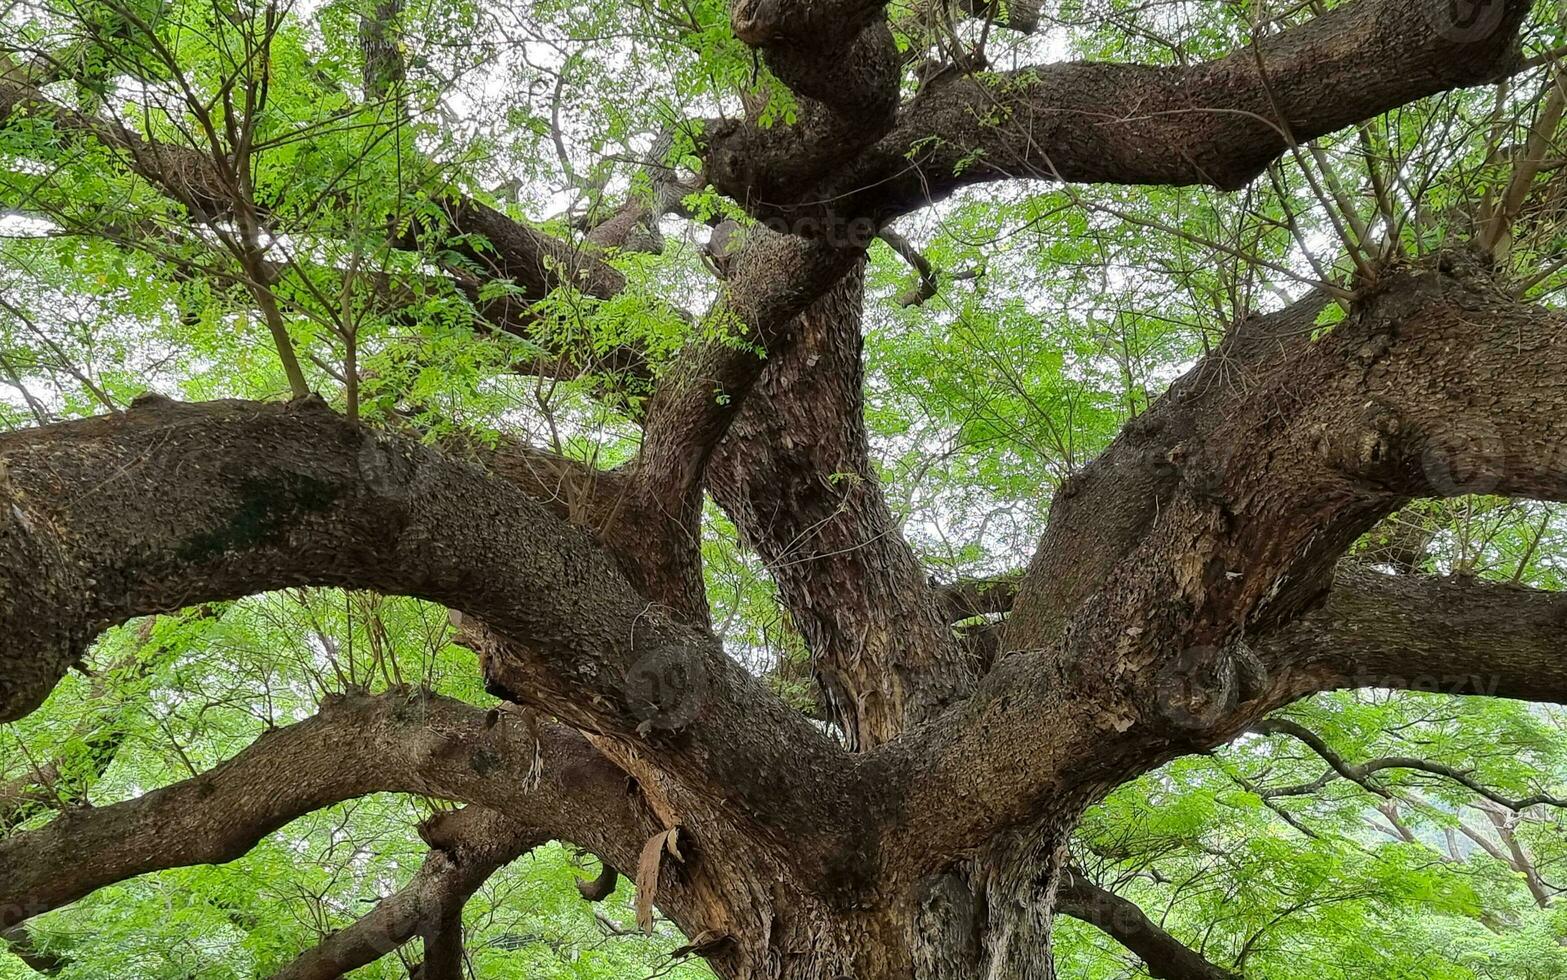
point(1421, 633)
point(1439, 383)
point(356, 745)
point(1041, 734)
point(1218, 123)
point(795, 476)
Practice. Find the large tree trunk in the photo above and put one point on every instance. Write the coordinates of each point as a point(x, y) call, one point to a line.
point(795, 476)
point(984, 921)
point(938, 854)
point(992, 918)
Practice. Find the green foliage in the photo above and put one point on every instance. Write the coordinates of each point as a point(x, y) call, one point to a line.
point(183, 693)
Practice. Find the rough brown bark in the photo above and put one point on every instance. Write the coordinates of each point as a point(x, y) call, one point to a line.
point(383, 512)
point(356, 745)
point(1217, 123)
point(844, 67)
point(794, 474)
point(1413, 632)
point(293, 495)
point(1424, 347)
point(1258, 488)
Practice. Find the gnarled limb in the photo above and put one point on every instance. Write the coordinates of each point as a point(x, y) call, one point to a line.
point(355, 746)
point(537, 263)
point(466, 847)
point(1218, 123)
point(840, 60)
point(771, 280)
point(601, 887)
point(1422, 633)
point(203, 502)
point(1242, 492)
point(1438, 383)
point(969, 598)
point(794, 474)
point(1166, 957)
point(424, 744)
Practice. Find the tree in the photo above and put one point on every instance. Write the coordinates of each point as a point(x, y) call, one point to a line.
point(923, 789)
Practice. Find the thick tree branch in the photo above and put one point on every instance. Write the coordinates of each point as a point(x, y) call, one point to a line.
point(380, 45)
point(1230, 501)
point(693, 403)
point(547, 781)
point(653, 520)
point(357, 745)
point(599, 888)
point(1447, 635)
point(1166, 957)
point(466, 848)
point(194, 503)
point(537, 263)
point(794, 474)
point(1218, 123)
point(840, 60)
point(771, 280)
point(969, 598)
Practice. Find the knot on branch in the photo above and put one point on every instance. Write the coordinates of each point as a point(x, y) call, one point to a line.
point(600, 888)
point(1199, 689)
point(666, 690)
point(1464, 456)
point(442, 831)
point(312, 402)
point(761, 23)
point(757, 22)
point(1368, 448)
